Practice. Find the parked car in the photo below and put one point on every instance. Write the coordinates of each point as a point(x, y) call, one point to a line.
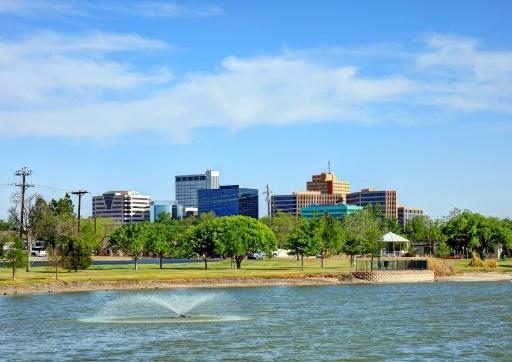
point(257, 255)
point(38, 251)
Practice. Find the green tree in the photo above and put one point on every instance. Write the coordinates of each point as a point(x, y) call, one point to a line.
point(330, 236)
point(6, 225)
point(424, 228)
point(96, 232)
point(391, 225)
point(239, 235)
point(362, 234)
point(163, 237)
point(475, 232)
point(283, 225)
point(37, 221)
point(15, 255)
point(303, 241)
point(77, 255)
point(63, 206)
point(201, 239)
point(131, 239)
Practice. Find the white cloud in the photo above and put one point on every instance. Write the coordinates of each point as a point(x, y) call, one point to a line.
point(49, 66)
point(152, 9)
point(62, 92)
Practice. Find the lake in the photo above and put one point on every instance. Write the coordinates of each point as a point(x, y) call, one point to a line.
point(434, 321)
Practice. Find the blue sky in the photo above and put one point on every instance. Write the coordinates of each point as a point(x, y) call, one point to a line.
point(413, 96)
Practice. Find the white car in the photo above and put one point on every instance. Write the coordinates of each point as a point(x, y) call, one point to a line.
point(38, 251)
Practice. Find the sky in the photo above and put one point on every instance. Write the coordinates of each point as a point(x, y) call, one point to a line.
point(414, 96)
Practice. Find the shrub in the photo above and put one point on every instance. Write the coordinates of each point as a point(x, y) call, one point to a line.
point(441, 270)
point(491, 264)
point(476, 262)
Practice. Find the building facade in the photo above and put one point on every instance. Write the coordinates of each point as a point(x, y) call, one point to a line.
point(187, 186)
point(229, 200)
point(338, 211)
point(124, 206)
point(386, 200)
point(284, 203)
point(327, 183)
point(406, 214)
point(295, 202)
point(157, 207)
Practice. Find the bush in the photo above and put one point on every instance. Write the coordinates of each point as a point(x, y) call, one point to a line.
point(476, 262)
point(491, 264)
point(77, 256)
point(441, 270)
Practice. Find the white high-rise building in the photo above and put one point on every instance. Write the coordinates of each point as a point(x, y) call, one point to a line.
point(212, 179)
point(188, 185)
point(124, 206)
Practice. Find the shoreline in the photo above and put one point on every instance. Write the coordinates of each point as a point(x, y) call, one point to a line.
point(87, 286)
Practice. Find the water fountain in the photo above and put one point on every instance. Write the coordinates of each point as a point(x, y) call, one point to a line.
point(161, 308)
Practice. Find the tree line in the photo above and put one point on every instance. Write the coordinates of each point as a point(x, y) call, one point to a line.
point(359, 234)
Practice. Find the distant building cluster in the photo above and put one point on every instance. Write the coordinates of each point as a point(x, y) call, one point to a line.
point(195, 194)
point(326, 194)
point(202, 193)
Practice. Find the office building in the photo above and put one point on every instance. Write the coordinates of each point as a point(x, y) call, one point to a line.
point(188, 185)
point(123, 206)
point(338, 211)
point(295, 202)
point(283, 203)
point(327, 183)
point(229, 200)
point(406, 214)
point(157, 207)
point(385, 199)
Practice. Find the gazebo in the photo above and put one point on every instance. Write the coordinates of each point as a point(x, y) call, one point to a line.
point(392, 239)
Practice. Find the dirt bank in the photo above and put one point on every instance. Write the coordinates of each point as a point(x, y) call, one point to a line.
point(477, 277)
point(58, 287)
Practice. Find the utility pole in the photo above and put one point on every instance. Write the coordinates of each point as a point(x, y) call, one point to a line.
point(80, 193)
point(23, 173)
point(268, 198)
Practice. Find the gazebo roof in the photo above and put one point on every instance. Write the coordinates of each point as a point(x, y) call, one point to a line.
point(394, 238)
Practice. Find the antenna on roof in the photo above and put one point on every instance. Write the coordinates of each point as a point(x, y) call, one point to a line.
point(329, 166)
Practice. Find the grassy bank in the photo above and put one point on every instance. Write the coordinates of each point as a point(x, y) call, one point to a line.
point(280, 268)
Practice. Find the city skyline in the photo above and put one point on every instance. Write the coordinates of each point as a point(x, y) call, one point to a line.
point(413, 97)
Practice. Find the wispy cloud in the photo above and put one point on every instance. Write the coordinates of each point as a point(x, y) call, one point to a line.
point(51, 68)
point(153, 9)
point(44, 91)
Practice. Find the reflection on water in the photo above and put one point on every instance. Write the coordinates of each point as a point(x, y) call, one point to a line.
point(435, 321)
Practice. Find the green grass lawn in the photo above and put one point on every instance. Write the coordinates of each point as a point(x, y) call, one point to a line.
point(277, 268)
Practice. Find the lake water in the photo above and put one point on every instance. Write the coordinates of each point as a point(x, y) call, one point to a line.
point(438, 321)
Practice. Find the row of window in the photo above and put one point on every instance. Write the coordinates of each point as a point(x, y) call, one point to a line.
point(190, 178)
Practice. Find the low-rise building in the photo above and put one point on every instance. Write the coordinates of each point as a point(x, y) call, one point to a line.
point(123, 206)
point(406, 214)
point(386, 199)
point(229, 200)
point(295, 202)
point(338, 211)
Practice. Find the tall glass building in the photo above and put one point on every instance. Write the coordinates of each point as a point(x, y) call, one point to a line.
point(229, 200)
